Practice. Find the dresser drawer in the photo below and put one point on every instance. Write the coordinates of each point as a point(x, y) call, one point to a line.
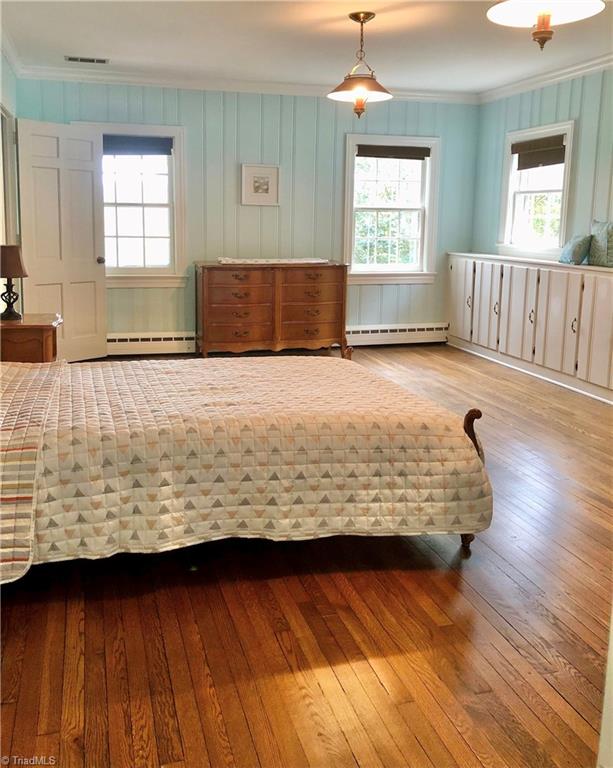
point(321, 313)
point(239, 276)
point(234, 334)
point(312, 294)
point(308, 331)
point(258, 294)
point(308, 275)
point(255, 313)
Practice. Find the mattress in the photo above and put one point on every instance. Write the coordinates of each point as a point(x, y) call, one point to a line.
point(143, 456)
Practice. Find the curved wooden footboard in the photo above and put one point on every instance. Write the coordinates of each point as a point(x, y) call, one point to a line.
point(469, 428)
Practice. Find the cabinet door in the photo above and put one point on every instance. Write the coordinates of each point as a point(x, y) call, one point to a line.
point(594, 362)
point(559, 297)
point(461, 296)
point(518, 310)
point(486, 305)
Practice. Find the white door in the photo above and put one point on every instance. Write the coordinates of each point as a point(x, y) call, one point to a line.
point(60, 183)
point(461, 274)
point(518, 311)
point(595, 351)
point(557, 322)
point(486, 305)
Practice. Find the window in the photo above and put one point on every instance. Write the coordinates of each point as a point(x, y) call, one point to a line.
point(138, 205)
point(390, 200)
point(537, 188)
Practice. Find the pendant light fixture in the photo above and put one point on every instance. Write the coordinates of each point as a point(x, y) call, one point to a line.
point(541, 15)
point(360, 87)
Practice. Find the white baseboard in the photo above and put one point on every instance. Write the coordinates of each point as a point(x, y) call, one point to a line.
point(554, 377)
point(151, 343)
point(396, 333)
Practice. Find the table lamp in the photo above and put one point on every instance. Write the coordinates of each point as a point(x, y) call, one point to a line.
point(11, 266)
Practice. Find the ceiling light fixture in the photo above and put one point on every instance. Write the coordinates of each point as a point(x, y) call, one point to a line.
point(356, 87)
point(541, 15)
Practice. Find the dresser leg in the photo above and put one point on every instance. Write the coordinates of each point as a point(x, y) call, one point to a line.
point(346, 352)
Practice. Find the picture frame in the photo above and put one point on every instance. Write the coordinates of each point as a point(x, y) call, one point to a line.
point(259, 184)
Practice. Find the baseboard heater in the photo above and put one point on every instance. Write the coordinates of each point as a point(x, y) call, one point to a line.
point(396, 333)
point(168, 342)
point(151, 343)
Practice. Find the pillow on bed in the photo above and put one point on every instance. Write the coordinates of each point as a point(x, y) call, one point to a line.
point(576, 250)
point(601, 247)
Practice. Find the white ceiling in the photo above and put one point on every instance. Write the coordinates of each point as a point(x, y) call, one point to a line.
point(429, 45)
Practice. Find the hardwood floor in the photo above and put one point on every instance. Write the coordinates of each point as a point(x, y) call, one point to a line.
point(345, 651)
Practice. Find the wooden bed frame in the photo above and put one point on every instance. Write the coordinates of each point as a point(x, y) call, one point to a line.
point(469, 428)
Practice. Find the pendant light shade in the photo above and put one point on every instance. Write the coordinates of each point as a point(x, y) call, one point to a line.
point(359, 88)
point(542, 15)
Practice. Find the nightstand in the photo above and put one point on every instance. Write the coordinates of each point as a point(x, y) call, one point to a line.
point(33, 339)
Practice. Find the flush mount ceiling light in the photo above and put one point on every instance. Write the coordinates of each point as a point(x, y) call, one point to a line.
point(541, 15)
point(360, 87)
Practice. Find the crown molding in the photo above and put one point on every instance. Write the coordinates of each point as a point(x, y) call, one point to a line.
point(119, 77)
point(549, 78)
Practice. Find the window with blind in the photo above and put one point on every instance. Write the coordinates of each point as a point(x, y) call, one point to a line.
point(138, 204)
point(535, 204)
point(389, 204)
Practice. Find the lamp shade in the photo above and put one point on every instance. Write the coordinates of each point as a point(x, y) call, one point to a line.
point(11, 264)
point(360, 86)
point(524, 13)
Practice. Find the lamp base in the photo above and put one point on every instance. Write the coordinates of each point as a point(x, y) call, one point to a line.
point(9, 297)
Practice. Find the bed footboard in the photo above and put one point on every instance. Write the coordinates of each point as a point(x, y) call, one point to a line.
point(469, 428)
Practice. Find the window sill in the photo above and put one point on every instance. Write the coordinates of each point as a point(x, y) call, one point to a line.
point(546, 254)
point(146, 281)
point(390, 278)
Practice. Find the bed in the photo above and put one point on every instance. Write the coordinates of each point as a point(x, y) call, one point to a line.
point(145, 456)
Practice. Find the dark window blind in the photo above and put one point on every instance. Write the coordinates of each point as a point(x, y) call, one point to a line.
point(136, 145)
point(398, 153)
point(549, 150)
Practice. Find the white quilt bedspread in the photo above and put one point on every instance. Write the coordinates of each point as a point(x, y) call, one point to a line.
point(153, 455)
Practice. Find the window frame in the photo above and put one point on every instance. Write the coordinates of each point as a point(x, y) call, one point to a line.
point(429, 210)
point(151, 277)
point(507, 196)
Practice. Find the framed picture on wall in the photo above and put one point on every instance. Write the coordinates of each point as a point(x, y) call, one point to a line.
point(260, 185)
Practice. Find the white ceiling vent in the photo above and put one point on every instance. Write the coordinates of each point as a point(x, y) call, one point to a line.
point(85, 60)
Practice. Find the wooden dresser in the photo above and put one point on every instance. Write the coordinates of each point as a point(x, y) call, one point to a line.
point(273, 307)
point(33, 339)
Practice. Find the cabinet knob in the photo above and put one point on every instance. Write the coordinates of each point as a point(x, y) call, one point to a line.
point(100, 260)
point(469, 301)
point(531, 316)
point(573, 325)
point(496, 307)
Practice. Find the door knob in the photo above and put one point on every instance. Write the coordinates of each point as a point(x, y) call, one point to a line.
point(100, 260)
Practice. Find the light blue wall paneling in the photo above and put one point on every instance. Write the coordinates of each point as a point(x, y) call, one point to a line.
point(8, 83)
point(306, 137)
point(586, 100)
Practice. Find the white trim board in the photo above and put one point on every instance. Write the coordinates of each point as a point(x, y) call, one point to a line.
point(110, 76)
point(532, 369)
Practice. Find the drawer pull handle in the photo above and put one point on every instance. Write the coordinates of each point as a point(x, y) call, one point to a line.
point(241, 334)
point(240, 294)
point(313, 294)
point(239, 275)
point(469, 301)
point(531, 316)
point(313, 312)
point(311, 331)
point(313, 275)
point(496, 308)
point(573, 325)
point(241, 315)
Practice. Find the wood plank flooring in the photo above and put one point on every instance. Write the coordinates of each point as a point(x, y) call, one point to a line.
point(345, 651)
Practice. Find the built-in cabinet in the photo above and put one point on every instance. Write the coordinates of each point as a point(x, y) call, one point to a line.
point(538, 315)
